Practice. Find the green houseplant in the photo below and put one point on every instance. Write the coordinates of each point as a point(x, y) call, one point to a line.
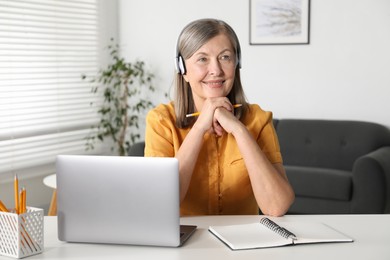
point(121, 84)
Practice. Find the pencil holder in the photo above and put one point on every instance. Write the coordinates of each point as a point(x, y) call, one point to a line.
point(21, 235)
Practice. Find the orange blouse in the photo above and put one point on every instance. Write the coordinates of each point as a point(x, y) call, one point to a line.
point(220, 183)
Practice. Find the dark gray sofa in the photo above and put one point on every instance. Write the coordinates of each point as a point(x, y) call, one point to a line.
point(335, 166)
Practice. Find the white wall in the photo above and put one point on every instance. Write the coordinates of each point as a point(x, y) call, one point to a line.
point(344, 73)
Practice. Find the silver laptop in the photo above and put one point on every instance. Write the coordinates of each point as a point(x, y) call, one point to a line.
point(119, 200)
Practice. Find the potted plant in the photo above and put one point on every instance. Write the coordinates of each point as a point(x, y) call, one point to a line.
point(121, 84)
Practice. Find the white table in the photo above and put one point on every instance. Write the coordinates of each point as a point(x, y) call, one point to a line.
point(370, 232)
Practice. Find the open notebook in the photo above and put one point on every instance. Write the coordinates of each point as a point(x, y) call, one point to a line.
point(267, 233)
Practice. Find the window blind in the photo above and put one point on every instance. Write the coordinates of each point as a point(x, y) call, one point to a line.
point(45, 106)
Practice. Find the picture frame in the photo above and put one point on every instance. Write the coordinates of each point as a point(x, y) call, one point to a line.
point(279, 22)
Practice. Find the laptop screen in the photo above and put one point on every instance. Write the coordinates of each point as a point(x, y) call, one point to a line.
point(122, 200)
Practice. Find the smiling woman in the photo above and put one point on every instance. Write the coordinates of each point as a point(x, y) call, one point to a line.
point(221, 135)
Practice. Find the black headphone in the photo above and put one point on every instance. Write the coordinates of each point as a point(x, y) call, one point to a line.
point(181, 67)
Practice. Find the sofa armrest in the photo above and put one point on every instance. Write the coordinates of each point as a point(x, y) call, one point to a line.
point(371, 182)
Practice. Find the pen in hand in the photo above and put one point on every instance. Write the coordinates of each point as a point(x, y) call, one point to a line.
point(198, 113)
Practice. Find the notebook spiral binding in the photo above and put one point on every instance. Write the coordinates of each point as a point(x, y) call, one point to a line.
point(276, 228)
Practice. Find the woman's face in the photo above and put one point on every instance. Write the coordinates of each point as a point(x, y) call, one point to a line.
point(211, 69)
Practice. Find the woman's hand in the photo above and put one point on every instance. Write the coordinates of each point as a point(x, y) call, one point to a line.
point(226, 120)
point(207, 120)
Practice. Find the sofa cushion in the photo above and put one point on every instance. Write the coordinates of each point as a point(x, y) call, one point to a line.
point(328, 143)
point(320, 182)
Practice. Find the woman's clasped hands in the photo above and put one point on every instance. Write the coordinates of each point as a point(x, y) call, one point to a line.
point(217, 116)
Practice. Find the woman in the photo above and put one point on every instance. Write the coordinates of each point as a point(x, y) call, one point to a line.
point(229, 155)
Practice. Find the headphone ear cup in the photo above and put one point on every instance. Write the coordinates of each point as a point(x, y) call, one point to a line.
point(180, 65)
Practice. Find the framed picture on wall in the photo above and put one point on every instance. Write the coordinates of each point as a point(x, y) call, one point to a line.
point(279, 22)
